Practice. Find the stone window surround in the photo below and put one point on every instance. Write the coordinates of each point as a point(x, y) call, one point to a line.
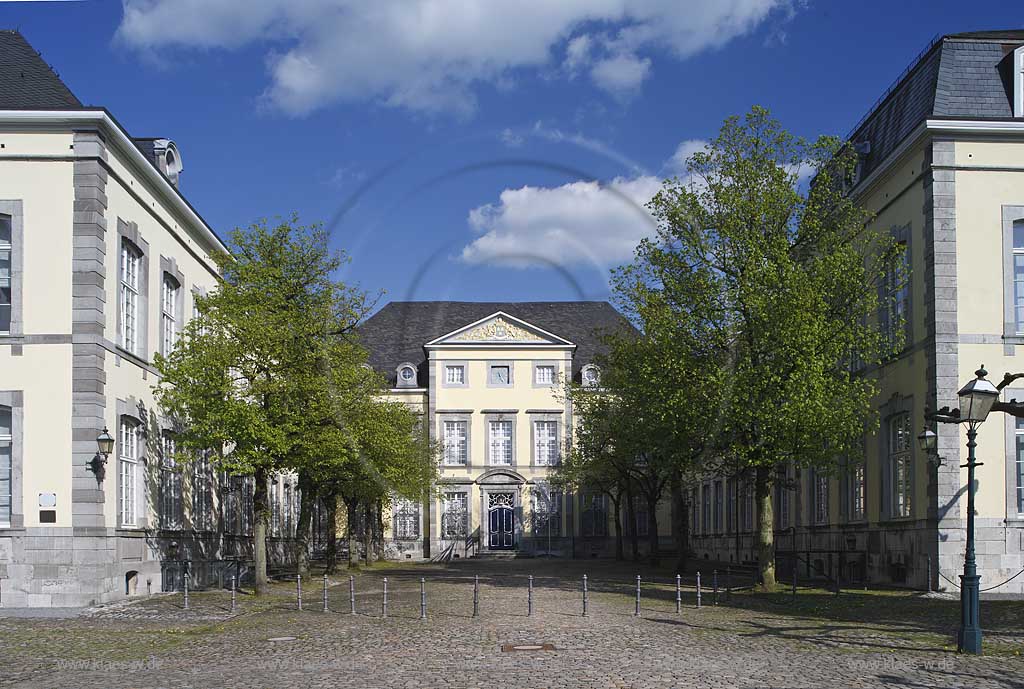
point(902, 235)
point(534, 418)
point(445, 363)
point(15, 210)
point(583, 375)
point(1010, 424)
point(555, 364)
point(1011, 337)
point(557, 497)
point(453, 488)
point(511, 373)
point(169, 268)
point(400, 382)
point(130, 409)
point(130, 231)
point(895, 406)
point(464, 416)
point(419, 518)
point(491, 416)
point(15, 399)
point(816, 476)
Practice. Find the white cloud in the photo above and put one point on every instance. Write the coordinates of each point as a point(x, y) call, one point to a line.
point(684, 151)
point(430, 55)
point(579, 222)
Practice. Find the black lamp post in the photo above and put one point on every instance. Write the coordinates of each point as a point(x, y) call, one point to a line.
point(976, 401)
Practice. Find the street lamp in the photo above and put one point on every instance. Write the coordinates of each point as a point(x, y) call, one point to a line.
point(105, 443)
point(977, 399)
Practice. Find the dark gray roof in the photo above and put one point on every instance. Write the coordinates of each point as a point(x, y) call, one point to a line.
point(396, 334)
point(26, 81)
point(964, 75)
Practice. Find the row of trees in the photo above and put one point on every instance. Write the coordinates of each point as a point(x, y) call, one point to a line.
point(270, 377)
point(756, 302)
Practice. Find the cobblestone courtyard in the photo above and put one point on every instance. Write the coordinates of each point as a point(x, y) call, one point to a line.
point(857, 640)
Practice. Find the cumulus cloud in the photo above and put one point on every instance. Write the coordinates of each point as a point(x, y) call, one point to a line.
point(430, 55)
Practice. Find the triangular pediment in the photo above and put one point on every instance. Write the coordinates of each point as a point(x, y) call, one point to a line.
point(500, 329)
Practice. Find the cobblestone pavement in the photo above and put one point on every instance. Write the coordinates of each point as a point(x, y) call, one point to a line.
point(750, 641)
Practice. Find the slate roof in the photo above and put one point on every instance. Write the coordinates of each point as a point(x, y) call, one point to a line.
point(27, 82)
point(965, 75)
point(396, 334)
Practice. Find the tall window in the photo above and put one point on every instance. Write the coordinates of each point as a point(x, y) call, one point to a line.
point(747, 507)
point(781, 505)
point(1018, 274)
point(546, 507)
point(900, 461)
point(6, 293)
point(730, 505)
point(6, 447)
point(820, 497)
point(1020, 466)
point(202, 496)
point(130, 260)
point(287, 510)
point(455, 375)
point(706, 526)
point(406, 518)
point(128, 471)
point(275, 508)
point(545, 375)
point(594, 516)
point(501, 443)
point(455, 515)
point(718, 506)
point(694, 512)
point(169, 295)
point(456, 447)
point(897, 298)
point(170, 484)
point(856, 488)
point(545, 438)
point(641, 516)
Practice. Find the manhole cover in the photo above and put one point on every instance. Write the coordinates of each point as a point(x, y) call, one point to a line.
point(526, 647)
point(281, 638)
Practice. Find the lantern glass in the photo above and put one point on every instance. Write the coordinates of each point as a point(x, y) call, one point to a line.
point(105, 442)
point(977, 398)
point(928, 441)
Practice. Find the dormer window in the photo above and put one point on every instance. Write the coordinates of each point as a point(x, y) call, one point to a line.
point(406, 376)
point(1018, 82)
point(591, 375)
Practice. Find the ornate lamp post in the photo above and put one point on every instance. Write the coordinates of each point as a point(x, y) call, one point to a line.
point(977, 399)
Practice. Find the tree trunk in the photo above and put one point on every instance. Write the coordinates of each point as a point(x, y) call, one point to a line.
point(765, 528)
point(378, 529)
point(631, 526)
point(352, 517)
point(681, 527)
point(652, 530)
point(331, 505)
point(306, 499)
point(617, 506)
point(261, 513)
point(368, 533)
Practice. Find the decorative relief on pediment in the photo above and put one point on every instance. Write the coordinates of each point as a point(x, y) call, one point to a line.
point(497, 330)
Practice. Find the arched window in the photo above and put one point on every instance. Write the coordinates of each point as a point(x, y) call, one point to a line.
point(129, 454)
point(6, 453)
point(591, 375)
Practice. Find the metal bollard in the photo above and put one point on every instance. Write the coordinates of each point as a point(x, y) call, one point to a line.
point(476, 595)
point(298, 590)
point(352, 593)
point(584, 595)
point(636, 612)
point(325, 593)
point(679, 594)
point(529, 597)
point(698, 588)
point(186, 590)
point(423, 598)
point(384, 603)
point(233, 588)
point(714, 585)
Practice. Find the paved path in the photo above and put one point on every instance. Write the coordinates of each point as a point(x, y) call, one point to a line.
point(748, 642)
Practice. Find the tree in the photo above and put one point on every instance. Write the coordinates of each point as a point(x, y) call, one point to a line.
point(774, 289)
point(247, 377)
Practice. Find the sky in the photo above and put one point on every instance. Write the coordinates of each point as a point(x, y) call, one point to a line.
point(471, 149)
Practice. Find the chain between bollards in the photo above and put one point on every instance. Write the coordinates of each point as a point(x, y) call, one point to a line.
point(679, 594)
point(636, 611)
point(352, 593)
point(476, 595)
point(584, 595)
point(298, 590)
point(529, 597)
point(423, 598)
point(234, 587)
point(384, 602)
point(186, 591)
point(325, 593)
point(714, 586)
point(698, 588)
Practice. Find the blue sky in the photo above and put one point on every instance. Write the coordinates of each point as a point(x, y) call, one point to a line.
point(452, 151)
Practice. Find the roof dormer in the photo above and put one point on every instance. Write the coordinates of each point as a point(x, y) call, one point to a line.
point(1018, 82)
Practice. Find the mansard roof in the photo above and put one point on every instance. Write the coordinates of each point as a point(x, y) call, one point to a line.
point(398, 332)
point(27, 82)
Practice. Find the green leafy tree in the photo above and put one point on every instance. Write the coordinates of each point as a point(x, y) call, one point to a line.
point(761, 293)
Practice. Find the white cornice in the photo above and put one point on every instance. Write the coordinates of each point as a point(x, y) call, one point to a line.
point(119, 139)
point(976, 126)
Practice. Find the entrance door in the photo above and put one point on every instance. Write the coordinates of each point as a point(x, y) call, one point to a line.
point(501, 521)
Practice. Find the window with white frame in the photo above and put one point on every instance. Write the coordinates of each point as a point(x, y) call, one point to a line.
point(455, 374)
point(455, 515)
point(545, 443)
point(1019, 465)
point(500, 453)
point(6, 289)
point(456, 446)
point(405, 516)
point(170, 484)
point(127, 474)
point(901, 463)
point(170, 292)
point(1018, 274)
point(897, 298)
point(820, 497)
point(546, 508)
point(6, 458)
point(131, 260)
point(857, 496)
point(544, 374)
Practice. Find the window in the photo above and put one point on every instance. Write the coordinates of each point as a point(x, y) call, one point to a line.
point(170, 293)
point(286, 511)
point(719, 504)
point(594, 517)
point(455, 515)
point(900, 461)
point(501, 443)
point(406, 518)
point(641, 516)
point(202, 497)
point(897, 298)
point(820, 498)
point(545, 439)
point(130, 262)
point(6, 291)
point(694, 512)
point(455, 375)
point(1018, 275)
point(275, 509)
point(546, 507)
point(170, 485)
point(456, 446)
point(128, 471)
point(856, 496)
point(782, 496)
point(6, 455)
point(1019, 465)
point(706, 509)
point(747, 507)
point(591, 375)
point(730, 505)
point(544, 375)
point(500, 374)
